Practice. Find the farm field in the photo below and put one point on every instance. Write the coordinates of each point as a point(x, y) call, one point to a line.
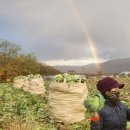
point(21, 110)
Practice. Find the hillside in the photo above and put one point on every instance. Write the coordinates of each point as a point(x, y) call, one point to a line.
point(112, 66)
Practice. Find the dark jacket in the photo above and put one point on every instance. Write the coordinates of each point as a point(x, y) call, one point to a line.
point(112, 117)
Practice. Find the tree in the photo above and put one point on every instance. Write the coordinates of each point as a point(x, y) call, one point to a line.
point(48, 70)
point(27, 64)
point(8, 52)
point(13, 64)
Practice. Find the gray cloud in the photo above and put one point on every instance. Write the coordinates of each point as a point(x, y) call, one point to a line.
point(50, 29)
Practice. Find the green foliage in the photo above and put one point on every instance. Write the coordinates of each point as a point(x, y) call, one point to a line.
point(17, 103)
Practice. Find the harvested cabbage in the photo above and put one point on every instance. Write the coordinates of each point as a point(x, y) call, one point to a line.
point(94, 103)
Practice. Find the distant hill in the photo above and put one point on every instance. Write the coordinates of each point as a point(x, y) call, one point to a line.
point(112, 66)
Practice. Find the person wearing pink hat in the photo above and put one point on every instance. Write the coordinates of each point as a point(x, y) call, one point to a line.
point(114, 115)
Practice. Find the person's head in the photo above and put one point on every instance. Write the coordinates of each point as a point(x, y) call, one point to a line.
point(109, 88)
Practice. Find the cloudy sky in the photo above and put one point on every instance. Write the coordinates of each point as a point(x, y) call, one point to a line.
point(53, 31)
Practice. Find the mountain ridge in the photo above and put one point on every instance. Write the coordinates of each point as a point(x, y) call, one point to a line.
point(111, 66)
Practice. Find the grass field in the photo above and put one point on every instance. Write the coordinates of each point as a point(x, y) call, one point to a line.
point(21, 110)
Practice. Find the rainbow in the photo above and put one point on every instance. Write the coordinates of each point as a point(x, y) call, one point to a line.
point(87, 33)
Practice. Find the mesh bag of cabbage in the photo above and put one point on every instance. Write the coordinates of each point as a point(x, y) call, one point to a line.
point(30, 83)
point(36, 86)
point(65, 101)
point(19, 83)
